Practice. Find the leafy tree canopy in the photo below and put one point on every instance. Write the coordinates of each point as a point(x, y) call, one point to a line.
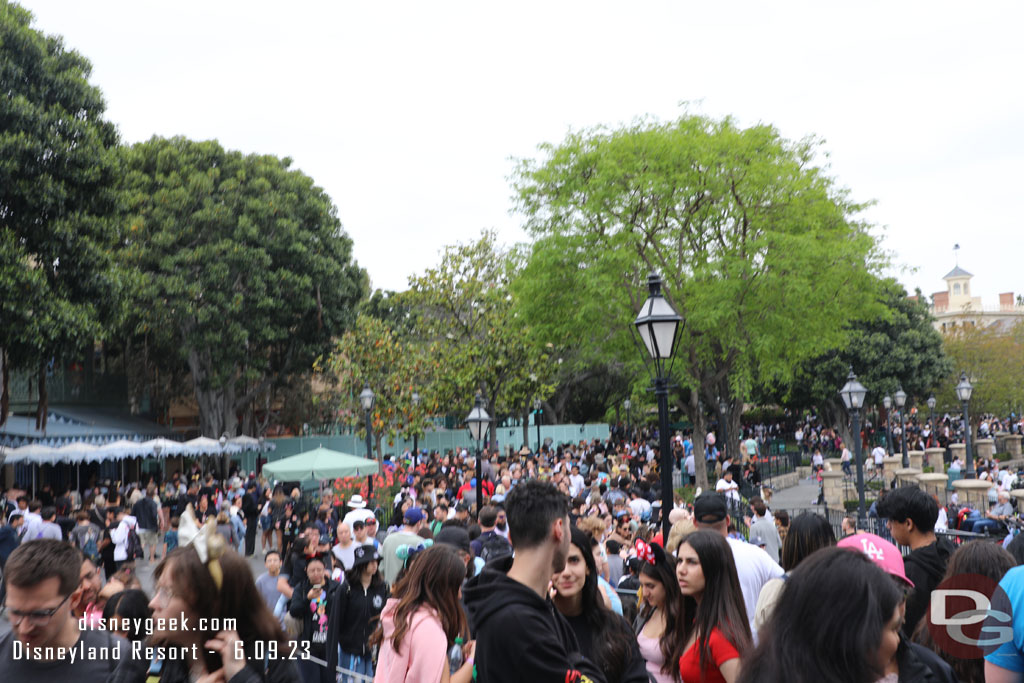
point(761, 252)
point(59, 282)
point(248, 273)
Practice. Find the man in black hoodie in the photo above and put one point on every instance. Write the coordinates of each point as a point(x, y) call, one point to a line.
point(520, 636)
point(911, 515)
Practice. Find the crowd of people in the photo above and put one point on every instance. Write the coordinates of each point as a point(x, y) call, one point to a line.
point(562, 574)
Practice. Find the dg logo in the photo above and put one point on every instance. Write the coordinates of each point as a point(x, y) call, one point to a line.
point(969, 616)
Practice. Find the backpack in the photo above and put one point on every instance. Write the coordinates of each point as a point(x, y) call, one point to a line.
point(133, 546)
point(90, 548)
point(494, 546)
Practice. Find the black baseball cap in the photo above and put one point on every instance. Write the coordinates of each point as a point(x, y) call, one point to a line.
point(710, 508)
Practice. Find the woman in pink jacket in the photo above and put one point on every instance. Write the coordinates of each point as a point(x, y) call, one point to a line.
point(421, 621)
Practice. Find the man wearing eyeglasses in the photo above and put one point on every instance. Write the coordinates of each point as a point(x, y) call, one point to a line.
point(45, 644)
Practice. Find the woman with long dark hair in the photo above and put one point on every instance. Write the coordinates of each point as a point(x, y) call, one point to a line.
point(422, 620)
point(208, 584)
point(658, 625)
point(808, 532)
point(838, 620)
point(715, 629)
point(604, 637)
point(358, 604)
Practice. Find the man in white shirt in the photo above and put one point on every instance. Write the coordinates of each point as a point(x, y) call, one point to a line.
point(576, 482)
point(728, 487)
point(878, 454)
point(754, 567)
point(358, 513)
point(691, 466)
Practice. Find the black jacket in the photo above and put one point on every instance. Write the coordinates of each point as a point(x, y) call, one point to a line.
point(354, 615)
point(918, 664)
point(520, 636)
point(925, 567)
point(300, 608)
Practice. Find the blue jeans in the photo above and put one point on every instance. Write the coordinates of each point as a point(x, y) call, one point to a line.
point(355, 664)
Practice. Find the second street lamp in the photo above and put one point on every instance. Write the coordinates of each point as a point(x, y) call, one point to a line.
point(415, 430)
point(887, 404)
point(536, 421)
point(963, 392)
point(658, 326)
point(627, 404)
point(478, 420)
point(931, 419)
point(366, 399)
point(853, 393)
point(900, 397)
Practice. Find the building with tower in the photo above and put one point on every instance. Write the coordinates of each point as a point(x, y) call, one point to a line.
point(957, 306)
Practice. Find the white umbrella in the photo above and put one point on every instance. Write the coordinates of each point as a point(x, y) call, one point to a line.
point(35, 453)
point(123, 448)
point(204, 445)
point(75, 452)
point(167, 447)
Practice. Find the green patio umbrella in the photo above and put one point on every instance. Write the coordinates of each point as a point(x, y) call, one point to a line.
point(320, 463)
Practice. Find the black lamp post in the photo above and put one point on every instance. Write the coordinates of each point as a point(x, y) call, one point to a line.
point(415, 430)
point(853, 393)
point(963, 392)
point(628, 404)
point(537, 410)
point(887, 403)
point(658, 326)
point(900, 397)
point(366, 399)
point(478, 420)
point(931, 417)
point(723, 410)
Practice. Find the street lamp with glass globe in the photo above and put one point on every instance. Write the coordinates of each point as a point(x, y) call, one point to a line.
point(478, 421)
point(658, 326)
point(627, 404)
point(900, 398)
point(415, 430)
point(887, 404)
point(537, 412)
point(366, 399)
point(963, 392)
point(853, 393)
point(931, 417)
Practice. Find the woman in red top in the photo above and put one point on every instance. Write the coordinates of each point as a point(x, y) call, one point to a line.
point(714, 621)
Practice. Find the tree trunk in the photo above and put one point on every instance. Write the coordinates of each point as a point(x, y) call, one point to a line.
point(5, 383)
point(43, 407)
point(217, 415)
point(695, 411)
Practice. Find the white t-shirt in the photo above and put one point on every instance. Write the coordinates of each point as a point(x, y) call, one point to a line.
point(690, 465)
point(817, 459)
point(754, 568)
point(878, 454)
point(731, 489)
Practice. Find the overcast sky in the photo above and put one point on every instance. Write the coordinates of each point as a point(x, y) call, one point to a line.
point(407, 113)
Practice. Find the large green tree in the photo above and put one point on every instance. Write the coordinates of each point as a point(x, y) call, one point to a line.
point(59, 282)
point(479, 339)
point(761, 252)
point(899, 347)
point(248, 273)
point(993, 358)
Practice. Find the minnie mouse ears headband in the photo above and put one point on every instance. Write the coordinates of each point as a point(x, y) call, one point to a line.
point(651, 553)
point(407, 552)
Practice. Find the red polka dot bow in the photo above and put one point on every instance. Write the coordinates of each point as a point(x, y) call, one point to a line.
point(644, 551)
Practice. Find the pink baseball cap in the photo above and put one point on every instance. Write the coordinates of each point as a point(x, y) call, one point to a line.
point(880, 551)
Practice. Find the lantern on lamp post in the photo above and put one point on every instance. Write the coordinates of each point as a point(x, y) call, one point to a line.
point(887, 404)
point(853, 393)
point(900, 398)
point(478, 421)
point(963, 392)
point(931, 418)
point(416, 398)
point(366, 401)
point(537, 412)
point(658, 326)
